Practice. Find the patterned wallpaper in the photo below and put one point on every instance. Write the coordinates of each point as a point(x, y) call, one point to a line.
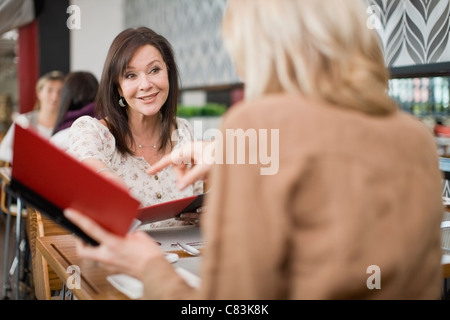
point(193, 28)
point(412, 31)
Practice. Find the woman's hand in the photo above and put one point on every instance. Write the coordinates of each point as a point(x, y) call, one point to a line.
point(191, 162)
point(192, 218)
point(127, 254)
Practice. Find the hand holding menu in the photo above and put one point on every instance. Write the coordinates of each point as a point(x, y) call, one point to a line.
point(51, 180)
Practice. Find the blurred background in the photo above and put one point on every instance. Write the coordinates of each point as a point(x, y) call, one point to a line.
point(37, 36)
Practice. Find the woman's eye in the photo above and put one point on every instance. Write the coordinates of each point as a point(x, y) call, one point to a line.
point(129, 76)
point(155, 70)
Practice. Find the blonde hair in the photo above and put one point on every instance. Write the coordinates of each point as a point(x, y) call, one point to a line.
point(49, 76)
point(322, 49)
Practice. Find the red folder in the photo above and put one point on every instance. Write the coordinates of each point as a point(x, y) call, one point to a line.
point(170, 209)
point(51, 180)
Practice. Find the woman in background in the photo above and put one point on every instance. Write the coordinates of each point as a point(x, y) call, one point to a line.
point(44, 115)
point(355, 208)
point(77, 99)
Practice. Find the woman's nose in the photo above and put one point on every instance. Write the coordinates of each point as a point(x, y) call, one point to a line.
point(145, 82)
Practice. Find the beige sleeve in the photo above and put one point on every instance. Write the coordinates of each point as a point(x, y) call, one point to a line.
point(244, 227)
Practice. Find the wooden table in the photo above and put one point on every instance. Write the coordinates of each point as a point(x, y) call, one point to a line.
point(60, 253)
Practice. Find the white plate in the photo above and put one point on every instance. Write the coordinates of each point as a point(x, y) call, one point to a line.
point(171, 257)
point(133, 288)
point(129, 286)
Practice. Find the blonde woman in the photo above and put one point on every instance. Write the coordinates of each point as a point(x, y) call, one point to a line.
point(43, 116)
point(354, 210)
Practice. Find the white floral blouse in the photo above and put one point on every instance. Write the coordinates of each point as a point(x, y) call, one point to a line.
point(89, 138)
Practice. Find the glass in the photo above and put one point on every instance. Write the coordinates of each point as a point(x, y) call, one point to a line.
point(423, 97)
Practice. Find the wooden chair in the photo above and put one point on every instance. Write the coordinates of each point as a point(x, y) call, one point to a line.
point(45, 280)
point(4, 203)
point(4, 197)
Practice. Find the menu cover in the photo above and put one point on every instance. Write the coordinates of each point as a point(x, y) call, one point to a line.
point(170, 209)
point(51, 180)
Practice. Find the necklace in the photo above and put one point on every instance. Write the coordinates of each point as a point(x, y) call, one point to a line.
point(139, 145)
point(146, 145)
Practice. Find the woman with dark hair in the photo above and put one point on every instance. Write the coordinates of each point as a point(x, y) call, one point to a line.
point(77, 99)
point(137, 103)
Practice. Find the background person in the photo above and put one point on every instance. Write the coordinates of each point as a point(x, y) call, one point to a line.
point(137, 102)
point(354, 211)
point(44, 115)
point(77, 99)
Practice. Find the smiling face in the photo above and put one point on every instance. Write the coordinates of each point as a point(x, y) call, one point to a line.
point(145, 83)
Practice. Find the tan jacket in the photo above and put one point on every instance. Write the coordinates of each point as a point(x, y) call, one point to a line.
point(353, 212)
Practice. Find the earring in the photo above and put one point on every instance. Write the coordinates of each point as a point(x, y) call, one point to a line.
point(122, 102)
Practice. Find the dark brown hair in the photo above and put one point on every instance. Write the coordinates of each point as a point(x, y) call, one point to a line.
point(79, 89)
point(122, 49)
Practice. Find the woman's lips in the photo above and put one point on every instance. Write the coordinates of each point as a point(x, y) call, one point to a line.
point(148, 98)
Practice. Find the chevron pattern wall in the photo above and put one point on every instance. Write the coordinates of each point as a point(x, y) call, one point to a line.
point(193, 28)
point(412, 31)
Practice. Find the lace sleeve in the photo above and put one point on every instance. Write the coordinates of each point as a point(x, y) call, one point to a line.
point(89, 138)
